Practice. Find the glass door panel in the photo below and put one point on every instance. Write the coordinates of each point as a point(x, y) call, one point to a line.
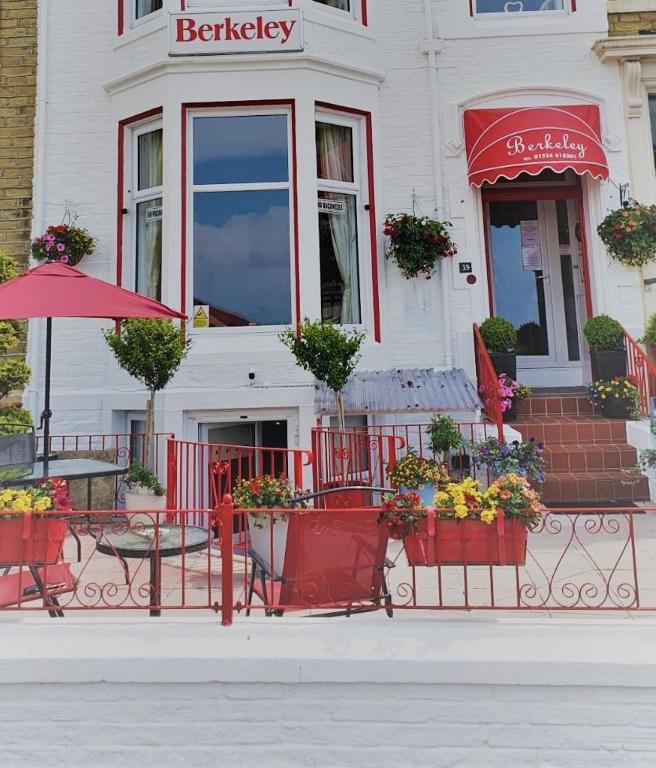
point(520, 274)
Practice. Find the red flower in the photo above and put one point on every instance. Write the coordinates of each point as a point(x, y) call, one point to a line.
point(256, 487)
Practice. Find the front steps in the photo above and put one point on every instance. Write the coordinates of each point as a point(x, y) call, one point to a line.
point(586, 455)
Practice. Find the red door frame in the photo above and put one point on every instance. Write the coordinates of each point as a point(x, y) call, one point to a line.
point(559, 192)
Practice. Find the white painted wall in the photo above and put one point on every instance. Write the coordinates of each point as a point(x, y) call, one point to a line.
point(395, 693)
point(484, 62)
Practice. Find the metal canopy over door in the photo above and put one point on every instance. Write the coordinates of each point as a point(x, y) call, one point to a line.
point(535, 280)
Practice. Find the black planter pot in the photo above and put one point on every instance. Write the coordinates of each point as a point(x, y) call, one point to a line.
point(614, 408)
point(607, 363)
point(511, 413)
point(505, 362)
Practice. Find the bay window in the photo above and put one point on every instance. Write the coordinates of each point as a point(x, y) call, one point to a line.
point(242, 218)
point(339, 202)
point(147, 201)
point(342, 5)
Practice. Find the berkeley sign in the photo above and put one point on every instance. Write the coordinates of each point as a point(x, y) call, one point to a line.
point(214, 33)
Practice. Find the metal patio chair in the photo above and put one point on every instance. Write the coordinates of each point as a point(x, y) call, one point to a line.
point(333, 558)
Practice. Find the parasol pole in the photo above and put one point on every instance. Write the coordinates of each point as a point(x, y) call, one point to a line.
point(47, 413)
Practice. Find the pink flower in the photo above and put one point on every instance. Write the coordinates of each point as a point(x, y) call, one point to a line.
point(61, 247)
point(63, 259)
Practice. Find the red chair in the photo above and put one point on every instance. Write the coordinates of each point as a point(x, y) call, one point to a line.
point(333, 559)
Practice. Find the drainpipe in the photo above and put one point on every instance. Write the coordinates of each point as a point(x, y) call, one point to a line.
point(431, 46)
point(36, 335)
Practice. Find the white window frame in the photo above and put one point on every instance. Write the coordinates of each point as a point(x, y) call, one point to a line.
point(360, 178)
point(134, 196)
point(565, 11)
point(137, 21)
point(192, 188)
point(354, 14)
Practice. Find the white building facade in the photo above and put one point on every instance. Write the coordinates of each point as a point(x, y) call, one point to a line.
point(237, 160)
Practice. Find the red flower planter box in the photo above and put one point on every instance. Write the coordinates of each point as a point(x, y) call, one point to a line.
point(30, 540)
point(439, 541)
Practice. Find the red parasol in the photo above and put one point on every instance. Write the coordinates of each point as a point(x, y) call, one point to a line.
point(57, 290)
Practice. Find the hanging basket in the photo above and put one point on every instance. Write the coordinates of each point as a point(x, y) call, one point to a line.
point(629, 234)
point(31, 540)
point(416, 243)
point(65, 243)
point(440, 541)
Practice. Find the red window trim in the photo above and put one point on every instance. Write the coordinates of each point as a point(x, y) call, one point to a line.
point(571, 192)
point(120, 192)
point(186, 107)
point(371, 189)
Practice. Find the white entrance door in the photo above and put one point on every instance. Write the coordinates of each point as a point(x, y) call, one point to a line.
point(536, 284)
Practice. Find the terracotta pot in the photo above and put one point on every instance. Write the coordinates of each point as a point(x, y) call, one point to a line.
point(467, 542)
point(30, 540)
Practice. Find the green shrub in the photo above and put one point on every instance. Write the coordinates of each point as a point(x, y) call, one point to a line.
point(444, 435)
point(650, 330)
point(14, 420)
point(14, 374)
point(499, 335)
point(603, 333)
point(138, 475)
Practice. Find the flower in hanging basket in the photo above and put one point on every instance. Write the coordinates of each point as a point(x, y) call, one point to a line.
point(267, 492)
point(65, 243)
point(629, 234)
point(416, 243)
point(415, 472)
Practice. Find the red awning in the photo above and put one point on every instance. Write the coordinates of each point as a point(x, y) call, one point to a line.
point(503, 143)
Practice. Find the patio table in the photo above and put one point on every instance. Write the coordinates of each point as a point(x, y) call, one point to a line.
point(153, 543)
point(70, 469)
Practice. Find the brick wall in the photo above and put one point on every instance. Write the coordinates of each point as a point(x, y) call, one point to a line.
point(631, 23)
point(18, 40)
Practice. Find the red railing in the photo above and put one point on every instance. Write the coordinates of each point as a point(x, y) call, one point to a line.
point(200, 474)
point(362, 456)
point(321, 560)
point(643, 370)
point(488, 383)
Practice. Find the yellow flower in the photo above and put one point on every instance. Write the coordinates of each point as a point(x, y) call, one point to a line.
point(461, 511)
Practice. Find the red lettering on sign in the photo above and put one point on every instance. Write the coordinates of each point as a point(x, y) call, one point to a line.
point(206, 32)
point(186, 31)
point(248, 30)
point(269, 27)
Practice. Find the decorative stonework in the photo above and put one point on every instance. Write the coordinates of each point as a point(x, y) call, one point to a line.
point(632, 78)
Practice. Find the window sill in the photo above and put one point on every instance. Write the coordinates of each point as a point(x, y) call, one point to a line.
point(330, 18)
point(141, 29)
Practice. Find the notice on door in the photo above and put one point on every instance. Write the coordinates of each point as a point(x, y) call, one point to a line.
point(531, 247)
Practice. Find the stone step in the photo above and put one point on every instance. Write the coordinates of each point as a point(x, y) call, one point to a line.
point(580, 430)
point(601, 457)
point(593, 487)
point(555, 405)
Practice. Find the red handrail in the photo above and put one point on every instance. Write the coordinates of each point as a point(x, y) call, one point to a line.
point(642, 369)
point(488, 383)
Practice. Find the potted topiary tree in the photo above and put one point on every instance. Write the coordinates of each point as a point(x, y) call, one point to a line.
point(605, 337)
point(330, 355)
point(444, 437)
point(500, 338)
point(151, 351)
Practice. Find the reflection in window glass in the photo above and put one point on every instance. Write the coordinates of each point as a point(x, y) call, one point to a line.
point(241, 257)
point(518, 290)
point(144, 7)
point(518, 6)
point(240, 150)
point(343, 5)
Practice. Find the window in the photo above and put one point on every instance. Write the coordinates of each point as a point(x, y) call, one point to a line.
point(147, 201)
point(342, 5)
point(652, 115)
point(241, 210)
point(518, 6)
point(339, 194)
point(146, 7)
